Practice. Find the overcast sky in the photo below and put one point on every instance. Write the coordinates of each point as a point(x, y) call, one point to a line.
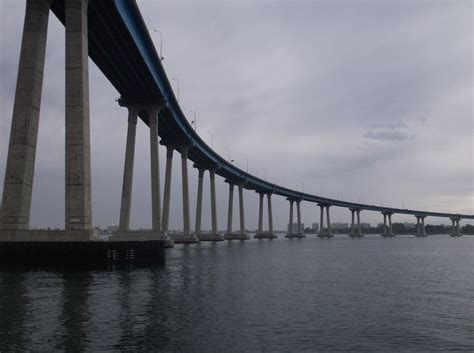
point(368, 101)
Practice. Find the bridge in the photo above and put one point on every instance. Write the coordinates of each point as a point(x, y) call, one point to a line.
point(113, 34)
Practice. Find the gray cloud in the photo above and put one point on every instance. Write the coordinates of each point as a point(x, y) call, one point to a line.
point(390, 133)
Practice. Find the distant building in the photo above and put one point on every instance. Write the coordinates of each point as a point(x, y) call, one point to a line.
point(339, 225)
point(294, 228)
point(365, 225)
point(315, 227)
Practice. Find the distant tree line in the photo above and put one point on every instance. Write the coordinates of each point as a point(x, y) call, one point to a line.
point(400, 228)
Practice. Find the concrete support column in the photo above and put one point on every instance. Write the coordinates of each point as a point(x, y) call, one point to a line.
point(167, 191)
point(458, 228)
point(78, 162)
point(384, 232)
point(18, 183)
point(242, 210)
point(155, 170)
point(212, 176)
point(125, 205)
point(325, 232)
point(321, 218)
point(298, 215)
point(420, 225)
point(230, 208)
point(328, 219)
point(197, 228)
point(260, 214)
point(352, 222)
point(390, 231)
point(270, 216)
point(290, 222)
point(359, 228)
point(184, 175)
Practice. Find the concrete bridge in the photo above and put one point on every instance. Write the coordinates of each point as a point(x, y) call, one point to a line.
point(113, 34)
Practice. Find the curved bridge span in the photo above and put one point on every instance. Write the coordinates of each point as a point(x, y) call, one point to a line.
point(114, 35)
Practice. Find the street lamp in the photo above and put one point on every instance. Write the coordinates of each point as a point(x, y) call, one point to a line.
point(195, 120)
point(177, 81)
point(161, 43)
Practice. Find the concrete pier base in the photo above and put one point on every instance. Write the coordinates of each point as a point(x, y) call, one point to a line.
point(45, 235)
point(210, 237)
point(387, 235)
point(325, 234)
point(184, 238)
point(356, 235)
point(455, 234)
point(295, 236)
point(141, 235)
point(236, 236)
point(265, 235)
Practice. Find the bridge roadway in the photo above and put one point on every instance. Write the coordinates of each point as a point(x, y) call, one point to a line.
point(121, 46)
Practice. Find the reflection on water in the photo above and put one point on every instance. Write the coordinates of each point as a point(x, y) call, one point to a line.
point(282, 295)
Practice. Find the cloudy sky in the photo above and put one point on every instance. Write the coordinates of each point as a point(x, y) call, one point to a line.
point(368, 101)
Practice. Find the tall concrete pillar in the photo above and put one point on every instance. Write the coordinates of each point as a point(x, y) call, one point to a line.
point(155, 169)
point(212, 177)
point(242, 210)
point(78, 162)
point(270, 216)
point(420, 225)
point(384, 232)
point(229, 210)
point(18, 183)
point(458, 228)
point(290, 221)
point(260, 214)
point(353, 231)
point(197, 228)
point(125, 205)
point(184, 174)
point(321, 218)
point(328, 219)
point(298, 215)
point(359, 229)
point(167, 191)
point(390, 230)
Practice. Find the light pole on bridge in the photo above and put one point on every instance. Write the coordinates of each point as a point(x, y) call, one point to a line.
point(161, 43)
point(195, 120)
point(228, 149)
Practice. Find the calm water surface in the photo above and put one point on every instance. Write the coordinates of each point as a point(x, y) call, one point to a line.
point(369, 294)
